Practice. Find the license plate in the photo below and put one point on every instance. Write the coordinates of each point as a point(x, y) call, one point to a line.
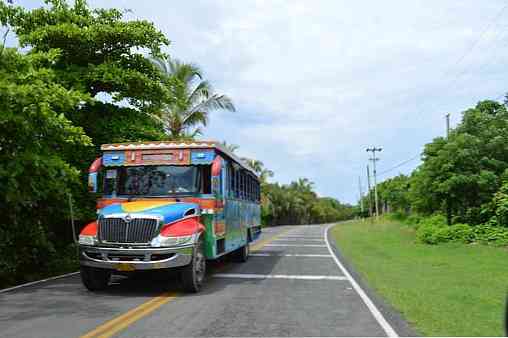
point(125, 267)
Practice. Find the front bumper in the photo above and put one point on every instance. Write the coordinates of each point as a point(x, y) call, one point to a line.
point(132, 259)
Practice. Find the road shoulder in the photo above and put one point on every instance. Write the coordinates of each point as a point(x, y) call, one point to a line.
point(395, 319)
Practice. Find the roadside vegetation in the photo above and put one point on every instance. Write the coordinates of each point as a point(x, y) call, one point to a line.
point(460, 191)
point(451, 289)
point(82, 77)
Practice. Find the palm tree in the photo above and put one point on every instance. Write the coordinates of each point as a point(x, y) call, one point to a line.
point(230, 146)
point(191, 99)
point(259, 168)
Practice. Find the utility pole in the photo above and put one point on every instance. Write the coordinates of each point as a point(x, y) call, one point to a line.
point(374, 159)
point(361, 193)
point(368, 191)
point(447, 125)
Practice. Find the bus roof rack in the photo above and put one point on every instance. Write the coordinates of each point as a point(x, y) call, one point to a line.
point(175, 145)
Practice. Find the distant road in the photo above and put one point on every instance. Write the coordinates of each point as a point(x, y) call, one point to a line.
point(292, 285)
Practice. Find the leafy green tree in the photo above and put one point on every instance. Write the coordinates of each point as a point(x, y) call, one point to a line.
point(297, 203)
point(394, 194)
point(101, 55)
point(461, 174)
point(192, 99)
point(52, 101)
point(35, 178)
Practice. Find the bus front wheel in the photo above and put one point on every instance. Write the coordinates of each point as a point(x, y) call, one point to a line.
point(192, 275)
point(94, 279)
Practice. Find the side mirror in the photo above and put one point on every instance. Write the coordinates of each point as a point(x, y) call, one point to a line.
point(92, 182)
point(92, 174)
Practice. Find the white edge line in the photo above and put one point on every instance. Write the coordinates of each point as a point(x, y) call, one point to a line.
point(299, 245)
point(287, 255)
point(301, 237)
point(373, 309)
point(259, 276)
point(38, 281)
point(281, 239)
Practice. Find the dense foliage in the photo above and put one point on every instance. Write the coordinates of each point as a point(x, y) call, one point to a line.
point(35, 176)
point(53, 117)
point(463, 177)
point(297, 203)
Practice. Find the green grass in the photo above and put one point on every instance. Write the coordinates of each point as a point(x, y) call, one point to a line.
point(442, 290)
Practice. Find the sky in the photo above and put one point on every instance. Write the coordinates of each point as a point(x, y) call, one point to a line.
point(317, 82)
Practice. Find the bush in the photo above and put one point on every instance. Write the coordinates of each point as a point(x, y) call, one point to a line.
point(433, 230)
point(414, 220)
point(397, 216)
point(492, 234)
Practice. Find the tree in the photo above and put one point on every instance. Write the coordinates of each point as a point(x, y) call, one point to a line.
point(35, 176)
point(101, 55)
point(260, 169)
point(51, 100)
point(191, 99)
point(393, 194)
point(460, 175)
point(230, 147)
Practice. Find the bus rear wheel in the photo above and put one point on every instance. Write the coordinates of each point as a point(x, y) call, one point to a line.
point(94, 279)
point(192, 275)
point(242, 254)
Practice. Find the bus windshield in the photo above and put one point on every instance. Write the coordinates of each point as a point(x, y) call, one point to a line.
point(156, 180)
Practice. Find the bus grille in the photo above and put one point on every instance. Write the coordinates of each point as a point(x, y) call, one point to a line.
point(117, 230)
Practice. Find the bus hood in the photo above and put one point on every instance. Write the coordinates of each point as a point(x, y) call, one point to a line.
point(168, 211)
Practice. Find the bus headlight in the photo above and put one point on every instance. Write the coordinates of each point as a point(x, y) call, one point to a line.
point(162, 241)
point(88, 235)
point(87, 240)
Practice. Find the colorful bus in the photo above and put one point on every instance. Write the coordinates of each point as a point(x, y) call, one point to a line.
point(168, 205)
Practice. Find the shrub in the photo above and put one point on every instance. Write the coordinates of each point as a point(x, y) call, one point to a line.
point(414, 220)
point(492, 234)
point(432, 230)
point(397, 216)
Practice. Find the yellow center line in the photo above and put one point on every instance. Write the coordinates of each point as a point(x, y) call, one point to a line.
point(115, 325)
point(119, 323)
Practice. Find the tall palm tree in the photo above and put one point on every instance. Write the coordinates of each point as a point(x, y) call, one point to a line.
point(191, 99)
point(259, 168)
point(230, 146)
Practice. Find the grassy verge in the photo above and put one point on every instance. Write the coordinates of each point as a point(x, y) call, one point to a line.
point(443, 290)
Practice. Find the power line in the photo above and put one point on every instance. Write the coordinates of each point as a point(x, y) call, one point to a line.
point(458, 75)
point(400, 164)
point(464, 55)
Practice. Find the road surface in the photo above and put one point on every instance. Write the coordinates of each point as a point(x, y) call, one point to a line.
point(292, 285)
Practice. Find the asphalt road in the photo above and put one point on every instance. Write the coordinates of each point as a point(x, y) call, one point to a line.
point(291, 286)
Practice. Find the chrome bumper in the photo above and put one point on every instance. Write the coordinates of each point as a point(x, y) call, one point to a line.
point(122, 259)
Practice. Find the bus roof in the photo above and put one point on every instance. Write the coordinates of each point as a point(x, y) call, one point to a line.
point(177, 145)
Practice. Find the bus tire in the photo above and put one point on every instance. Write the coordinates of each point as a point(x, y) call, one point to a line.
point(242, 254)
point(193, 275)
point(95, 279)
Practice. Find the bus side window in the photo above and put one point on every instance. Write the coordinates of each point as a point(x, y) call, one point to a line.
point(242, 185)
point(250, 189)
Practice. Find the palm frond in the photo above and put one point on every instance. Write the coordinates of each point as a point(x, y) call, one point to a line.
point(196, 117)
point(160, 63)
point(215, 102)
point(202, 91)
